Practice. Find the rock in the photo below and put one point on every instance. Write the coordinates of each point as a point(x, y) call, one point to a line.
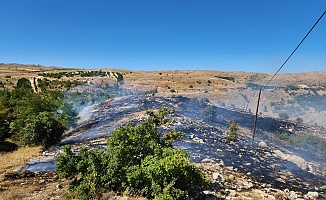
point(232, 193)
point(300, 162)
point(262, 195)
point(42, 181)
point(280, 194)
point(221, 164)
point(247, 185)
point(218, 177)
point(267, 154)
point(230, 168)
point(231, 177)
point(208, 192)
point(198, 140)
point(58, 186)
point(311, 169)
point(262, 144)
point(207, 160)
point(311, 195)
point(270, 197)
point(292, 195)
point(209, 195)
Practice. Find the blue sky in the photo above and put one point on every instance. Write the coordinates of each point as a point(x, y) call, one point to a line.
point(229, 35)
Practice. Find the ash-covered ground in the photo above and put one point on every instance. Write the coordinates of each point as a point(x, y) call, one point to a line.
point(263, 163)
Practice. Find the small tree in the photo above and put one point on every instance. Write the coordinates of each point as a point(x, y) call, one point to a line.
point(41, 129)
point(232, 131)
point(209, 114)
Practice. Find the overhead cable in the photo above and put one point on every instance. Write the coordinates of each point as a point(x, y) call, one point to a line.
point(255, 120)
point(296, 48)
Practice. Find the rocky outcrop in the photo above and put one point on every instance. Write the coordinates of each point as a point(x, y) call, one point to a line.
point(300, 162)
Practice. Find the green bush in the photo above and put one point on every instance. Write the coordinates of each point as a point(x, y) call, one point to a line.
point(30, 118)
point(137, 158)
point(42, 129)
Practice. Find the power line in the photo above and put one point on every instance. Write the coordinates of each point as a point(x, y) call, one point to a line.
point(296, 48)
point(255, 120)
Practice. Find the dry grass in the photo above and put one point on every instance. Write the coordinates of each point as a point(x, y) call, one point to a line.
point(18, 191)
point(12, 160)
point(127, 195)
point(20, 186)
point(42, 186)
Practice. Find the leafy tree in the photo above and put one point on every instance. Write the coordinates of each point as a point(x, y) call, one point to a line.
point(41, 129)
point(138, 158)
point(5, 111)
point(30, 118)
point(24, 83)
point(67, 115)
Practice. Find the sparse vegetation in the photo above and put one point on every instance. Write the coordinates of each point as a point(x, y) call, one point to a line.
point(304, 140)
point(312, 100)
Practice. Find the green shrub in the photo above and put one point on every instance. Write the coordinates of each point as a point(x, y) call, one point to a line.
point(41, 129)
point(232, 131)
point(137, 158)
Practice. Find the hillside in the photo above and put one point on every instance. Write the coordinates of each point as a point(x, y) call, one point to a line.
point(297, 95)
point(286, 160)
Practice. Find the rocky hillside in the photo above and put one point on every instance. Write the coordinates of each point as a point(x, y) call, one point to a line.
point(205, 102)
point(288, 95)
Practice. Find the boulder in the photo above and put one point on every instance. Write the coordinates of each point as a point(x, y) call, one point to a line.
point(292, 195)
point(262, 144)
point(311, 195)
point(218, 177)
point(300, 162)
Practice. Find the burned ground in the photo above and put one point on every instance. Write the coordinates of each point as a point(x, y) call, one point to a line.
point(300, 170)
